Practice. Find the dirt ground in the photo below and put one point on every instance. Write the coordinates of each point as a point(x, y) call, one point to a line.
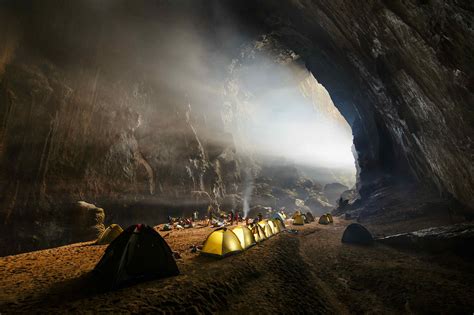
point(308, 272)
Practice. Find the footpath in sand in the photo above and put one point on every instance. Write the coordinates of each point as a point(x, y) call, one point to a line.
point(308, 272)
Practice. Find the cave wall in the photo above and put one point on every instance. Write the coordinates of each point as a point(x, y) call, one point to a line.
point(401, 73)
point(81, 119)
point(84, 117)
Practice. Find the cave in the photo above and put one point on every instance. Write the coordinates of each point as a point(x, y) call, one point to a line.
point(140, 112)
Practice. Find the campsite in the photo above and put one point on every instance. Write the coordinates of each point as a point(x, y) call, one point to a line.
point(311, 266)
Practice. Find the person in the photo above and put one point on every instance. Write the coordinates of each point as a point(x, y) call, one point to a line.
point(209, 212)
point(231, 217)
point(195, 216)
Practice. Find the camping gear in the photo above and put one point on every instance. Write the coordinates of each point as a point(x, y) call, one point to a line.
point(111, 233)
point(166, 227)
point(280, 217)
point(324, 220)
point(298, 220)
point(139, 253)
point(331, 220)
point(245, 236)
point(277, 225)
point(296, 214)
point(222, 242)
point(258, 233)
point(266, 228)
point(309, 217)
point(357, 234)
point(280, 225)
point(272, 226)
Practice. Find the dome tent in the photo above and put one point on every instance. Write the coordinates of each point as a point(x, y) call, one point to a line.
point(257, 232)
point(139, 253)
point(298, 219)
point(324, 219)
point(221, 242)
point(357, 234)
point(245, 236)
point(277, 225)
point(309, 217)
point(266, 228)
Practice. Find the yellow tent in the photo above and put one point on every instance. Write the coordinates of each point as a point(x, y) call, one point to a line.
point(273, 226)
point(280, 224)
point(258, 233)
point(277, 225)
point(221, 243)
point(324, 219)
point(245, 236)
point(109, 234)
point(331, 220)
point(296, 214)
point(298, 220)
point(266, 228)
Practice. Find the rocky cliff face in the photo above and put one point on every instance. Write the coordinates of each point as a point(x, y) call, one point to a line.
point(401, 73)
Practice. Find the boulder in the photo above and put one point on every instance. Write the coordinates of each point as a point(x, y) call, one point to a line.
point(86, 222)
point(458, 238)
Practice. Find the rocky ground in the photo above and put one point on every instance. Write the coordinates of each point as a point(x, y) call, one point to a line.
point(308, 272)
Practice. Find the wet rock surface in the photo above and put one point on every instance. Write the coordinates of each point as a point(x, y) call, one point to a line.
point(458, 239)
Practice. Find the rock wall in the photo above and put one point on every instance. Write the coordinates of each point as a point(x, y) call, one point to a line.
point(401, 73)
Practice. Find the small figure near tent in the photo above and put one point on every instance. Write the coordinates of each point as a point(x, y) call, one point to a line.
point(138, 254)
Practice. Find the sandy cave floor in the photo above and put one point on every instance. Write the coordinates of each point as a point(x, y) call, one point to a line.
point(308, 272)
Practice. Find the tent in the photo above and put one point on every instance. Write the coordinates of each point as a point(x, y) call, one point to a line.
point(298, 220)
point(309, 217)
point(139, 253)
point(331, 220)
point(245, 236)
point(257, 232)
point(324, 219)
point(280, 217)
point(280, 225)
point(110, 233)
point(266, 228)
point(272, 226)
point(357, 234)
point(222, 242)
point(277, 225)
point(296, 214)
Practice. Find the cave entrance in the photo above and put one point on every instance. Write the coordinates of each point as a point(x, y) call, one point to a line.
point(287, 122)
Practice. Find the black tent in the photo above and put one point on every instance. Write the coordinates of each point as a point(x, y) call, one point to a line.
point(357, 234)
point(139, 253)
point(309, 217)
